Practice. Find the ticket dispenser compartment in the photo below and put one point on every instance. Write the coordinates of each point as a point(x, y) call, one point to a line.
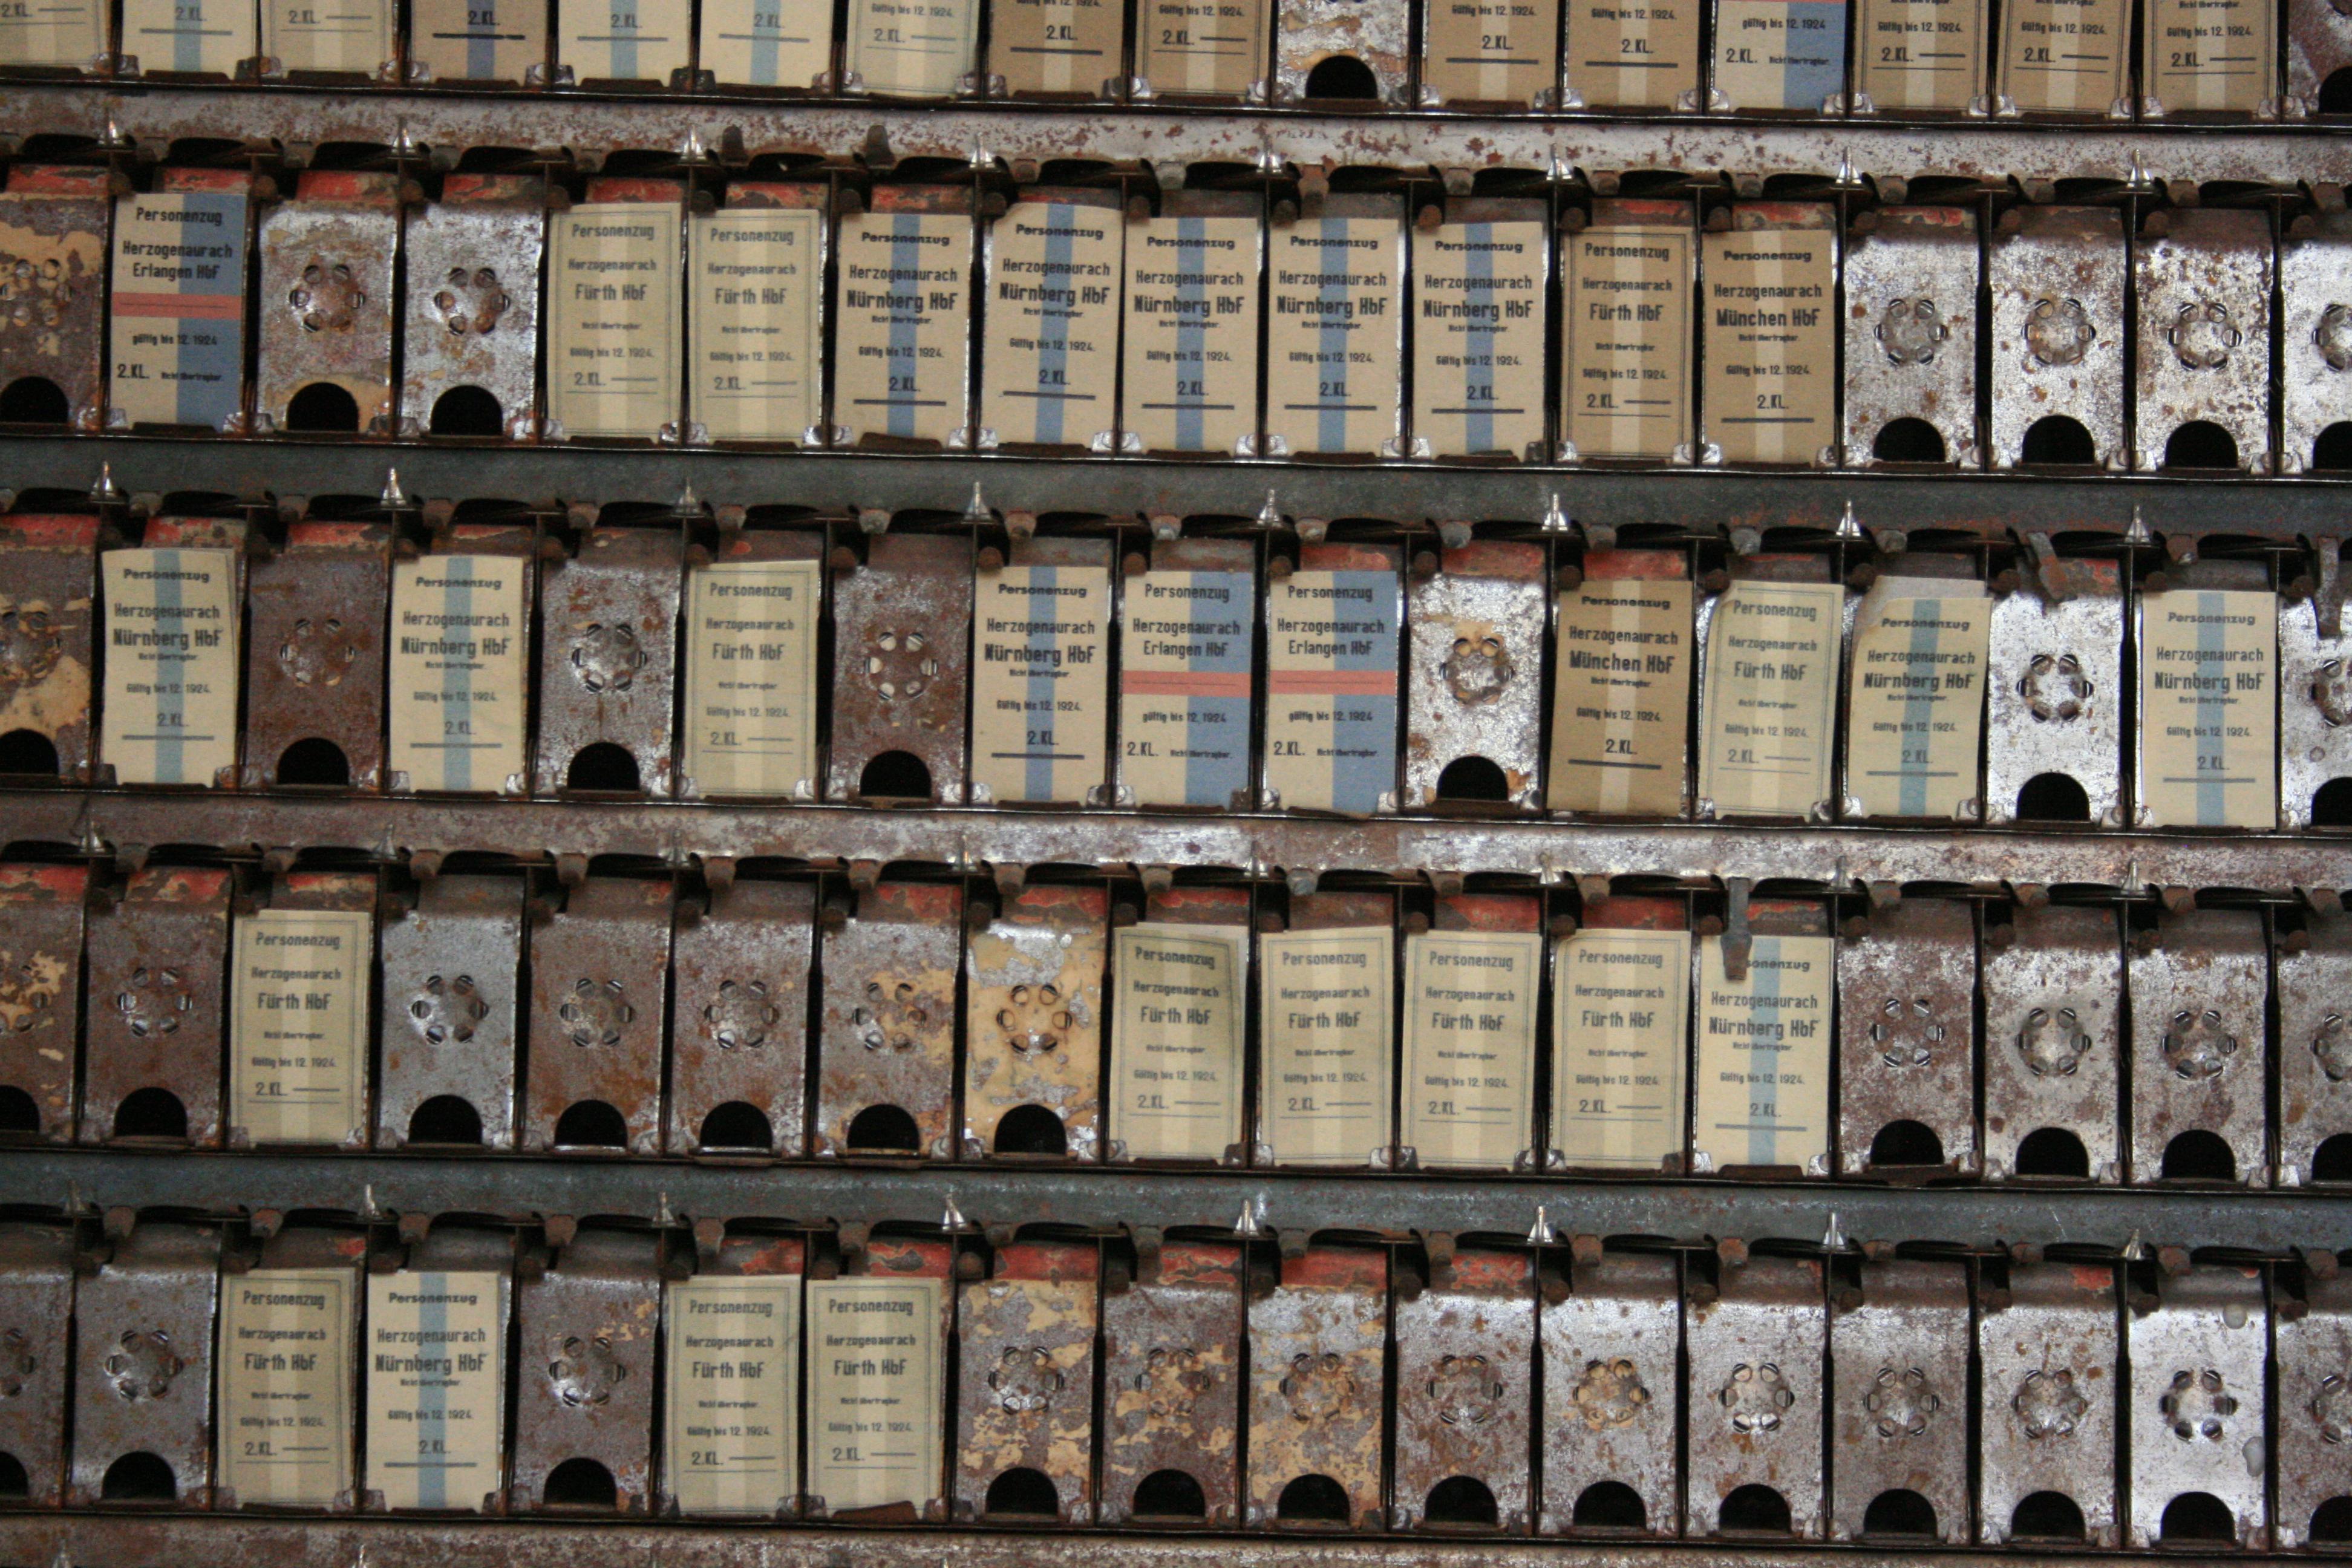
point(459, 678)
point(1171, 1386)
point(314, 674)
point(157, 965)
point(901, 623)
point(1906, 1035)
point(297, 1049)
point(482, 44)
point(608, 662)
point(599, 988)
point(1033, 1046)
point(441, 1449)
point(2315, 329)
point(2054, 983)
point(1187, 664)
point(739, 1020)
point(36, 1336)
point(1179, 1017)
point(1475, 696)
point(854, 1397)
point(1327, 1032)
point(2057, 279)
point(2314, 1062)
point(1465, 1383)
point(1899, 1438)
point(175, 618)
point(2198, 1343)
point(1317, 1341)
point(2199, 986)
point(1755, 1355)
point(452, 977)
point(2203, 277)
point(2314, 693)
point(2319, 61)
point(1613, 1395)
point(754, 612)
point(731, 1420)
point(287, 1420)
point(2312, 1335)
point(1352, 50)
point(176, 339)
point(49, 593)
point(143, 1374)
point(56, 221)
point(2047, 1352)
point(584, 1397)
point(1911, 337)
point(2054, 704)
point(886, 1070)
point(469, 341)
point(42, 913)
point(327, 305)
point(1024, 1433)
point(2207, 640)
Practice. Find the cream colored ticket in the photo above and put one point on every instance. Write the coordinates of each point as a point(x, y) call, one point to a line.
point(171, 665)
point(299, 1047)
point(1176, 1046)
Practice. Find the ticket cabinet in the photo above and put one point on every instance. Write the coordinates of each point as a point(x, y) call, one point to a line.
point(314, 668)
point(2047, 1348)
point(1614, 1395)
point(885, 1046)
point(2314, 1059)
point(49, 594)
point(452, 967)
point(1899, 1434)
point(1756, 1399)
point(2056, 275)
point(469, 336)
point(1317, 1341)
point(158, 957)
point(2202, 278)
point(1907, 1036)
point(584, 1398)
point(36, 1333)
point(2313, 1339)
point(1474, 697)
point(41, 919)
point(608, 662)
point(2198, 1346)
point(142, 1392)
point(1911, 336)
point(2316, 330)
point(327, 305)
point(1025, 1423)
point(1171, 1386)
point(901, 668)
point(739, 1021)
point(1033, 1022)
point(1466, 1390)
point(56, 222)
point(600, 975)
point(2199, 986)
point(2054, 985)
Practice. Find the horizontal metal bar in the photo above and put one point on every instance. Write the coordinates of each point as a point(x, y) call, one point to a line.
point(595, 123)
point(1102, 1198)
point(99, 821)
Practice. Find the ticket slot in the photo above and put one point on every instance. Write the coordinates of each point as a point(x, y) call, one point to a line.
point(67, 40)
point(2209, 62)
point(1911, 332)
point(1186, 666)
point(902, 316)
point(1755, 1345)
point(1771, 645)
point(40, 1263)
point(1629, 283)
point(1763, 1018)
point(911, 49)
point(755, 44)
point(41, 923)
point(584, 1398)
point(459, 676)
point(2314, 1061)
point(469, 337)
point(647, 44)
point(48, 596)
point(1189, 354)
point(2312, 1336)
point(599, 988)
point(2063, 58)
point(2048, 1354)
point(1025, 1423)
point(2054, 708)
point(1332, 647)
point(1769, 381)
point(1317, 1341)
point(732, 1383)
point(1219, 55)
point(1057, 49)
point(1779, 57)
point(1899, 1430)
point(1335, 339)
point(608, 661)
point(739, 1021)
point(1180, 990)
point(863, 1406)
point(1620, 1037)
point(143, 1370)
point(1324, 51)
point(290, 1375)
point(2199, 984)
point(2314, 250)
point(314, 674)
point(1473, 730)
point(1482, 286)
point(2207, 645)
point(1173, 1385)
point(886, 1066)
point(158, 959)
point(1481, 53)
point(2056, 276)
point(354, 43)
point(1622, 57)
point(1920, 57)
point(452, 964)
point(2054, 985)
point(1466, 1345)
point(1326, 1032)
point(755, 311)
point(1916, 655)
point(1472, 978)
point(2197, 1343)
point(60, 220)
point(615, 281)
point(902, 624)
point(1041, 680)
point(484, 44)
point(1049, 331)
point(174, 626)
point(1623, 649)
point(302, 994)
point(753, 611)
point(1034, 1000)
point(326, 357)
point(441, 1446)
point(2202, 281)
point(1907, 1036)
point(177, 350)
point(1614, 1394)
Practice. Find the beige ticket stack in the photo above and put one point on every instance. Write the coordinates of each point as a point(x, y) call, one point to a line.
point(2208, 57)
point(2063, 57)
point(1620, 1000)
point(173, 614)
point(478, 43)
point(202, 38)
point(1049, 332)
point(623, 42)
point(1620, 56)
point(1481, 276)
point(1190, 359)
point(755, 302)
point(1055, 48)
point(1763, 1015)
point(1040, 677)
point(614, 325)
point(1497, 53)
point(1335, 330)
point(732, 1381)
point(303, 992)
point(458, 681)
point(1915, 57)
point(1629, 276)
point(1916, 695)
point(349, 38)
point(1769, 391)
point(1623, 649)
point(1769, 691)
point(1326, 986)
point(1470, 987)
point(2209, 699)
point(902, 311)
point(1203, 48)
point(766, 43)
point(1180, 987)
point(877, 1381)
point(68, 34)
point(752, 619)
point(910, 49)
point(289, 1376)
point(437, 1383)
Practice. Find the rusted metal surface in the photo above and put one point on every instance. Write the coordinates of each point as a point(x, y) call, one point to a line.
point(1172, 1384)
point(2315, 324)
point(2047, 1347)
point(1899, 1345)
point(901, 623)
point(1318, 1341)
point(327, 301)
point(55, 225)
point(2199, 992)
point(472, 319)
point(739, 1021)
point(157, 960)
point(2054, 1041)
point(1034, 996)
point(48, 589)
point(451, 974)
point(2203, 279)
point(599, 976)
point(1476, 686)
point(2315, 1048)
point(2197, 1349)
point(1911, 330)
point(1465, 1391)
point(1906, 1036)
point(608, 660)
point(2054, 696)
point(886, 1037)
point(2312, 1336)
point(40, 997)
point(1754, 1392)
point(1026, 1398)
point(36, 1342)
point(1613, 1395)
point(1372, 33)
point(2057, 284)
point(143, 1364)
point(2318, 48)
point(315, 653)
point(584, 1382)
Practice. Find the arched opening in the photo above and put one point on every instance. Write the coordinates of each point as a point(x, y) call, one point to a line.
point(895, 775)
point(1169, 1494)
point(139, 1477)
point(1753, 1508)
point(2046, 1516)
point(2053, 1151)
point(33, 400)
point(1312, 1499)
point(1473, 779)
point(1023, 1493)
point(1906, 1144)
point(1908, 441)
point(2331, 1522)
point(1460, 1500)
point(603, 768)
point(467, 411)
point(15, 1483)
point(325, 407)
point(2200, 444)
point(445, 1120)
point(1899, 1513)
point(314, 764)
point(580, 1483)
point(2332, 1161)
point(2198, 1518)
point(884, 1129)
point(150, 1113)
point(2331, 804)
point(29, 752)
point(2199, 1155)
point(2057, 441)
point(2332, 452)
point(592, 1124)
point(2335, 92)
point(1343, 77)
point(2052, 797)
point(1610, 1505)
point(1031, 1130)
point(19, 1112)
point(737, 1125)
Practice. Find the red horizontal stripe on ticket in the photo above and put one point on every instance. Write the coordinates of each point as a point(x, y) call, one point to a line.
point(1333, 682)
point(206, 306)
point(1183, 683)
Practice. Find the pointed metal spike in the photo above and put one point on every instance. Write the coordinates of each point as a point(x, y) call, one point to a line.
point(2137, 534)
point(1270, 515)
point(982, 158)
point(113, 135)
point(392, 498)
point(693, 149)
point(687, 501)
point(1846, 177)
point(662, 1214)
point(105, 492)
point(978, 512)
point(2133, 1249)
point(59, 1559)
point(1555, 517)
point(953, 1219)
point(1847, 527)
point(367, 1202)
point(1269, 162)
point(1252, 1210)
point(1833, 1238)
point(1541, 1234)
point(403, 145)
point(1561, 169)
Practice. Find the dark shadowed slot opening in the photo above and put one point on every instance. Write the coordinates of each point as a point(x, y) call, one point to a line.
point(467, 411)
point(322, 406)
point(2046, 1516)
point(1460, 1500)
point(1316, 1500)
point(29, 752)
point(1906, 1144)
point(896, 775)
point(2331, 804)
point(18, 1111)
point(1169, 1494)
point(2198, 1156)
point(1023, 1493)
point(314, 762)
point(1899, 1513)
point(14, 1482)
point(2331, 1522)
point(1753, 1508)
point(737, 1125)
point(884, 1129)
point(33, 400)
point(2198, 1519)
point(2332, 1161)
point(2052, 797)
point(2333, 450)
point(2200, 444)
point(2335, 92)
point(592, 1124)
point(2053, 1151)
point(580, 1483)
point(1342, 76)
point(150, 1113)
point(2058, 441)
point(1610, 1505)
point(1473, 778)
point(139, 1477)
point(446, 1118)
point(1031, 1130)
point(1909, 441)
point(603, 768)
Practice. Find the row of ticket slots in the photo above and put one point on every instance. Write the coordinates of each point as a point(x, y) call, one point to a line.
point(1194, 673)
point(1345, 1386)
point(2039, 56)
point(1198, 1025)
point(1071, 318)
